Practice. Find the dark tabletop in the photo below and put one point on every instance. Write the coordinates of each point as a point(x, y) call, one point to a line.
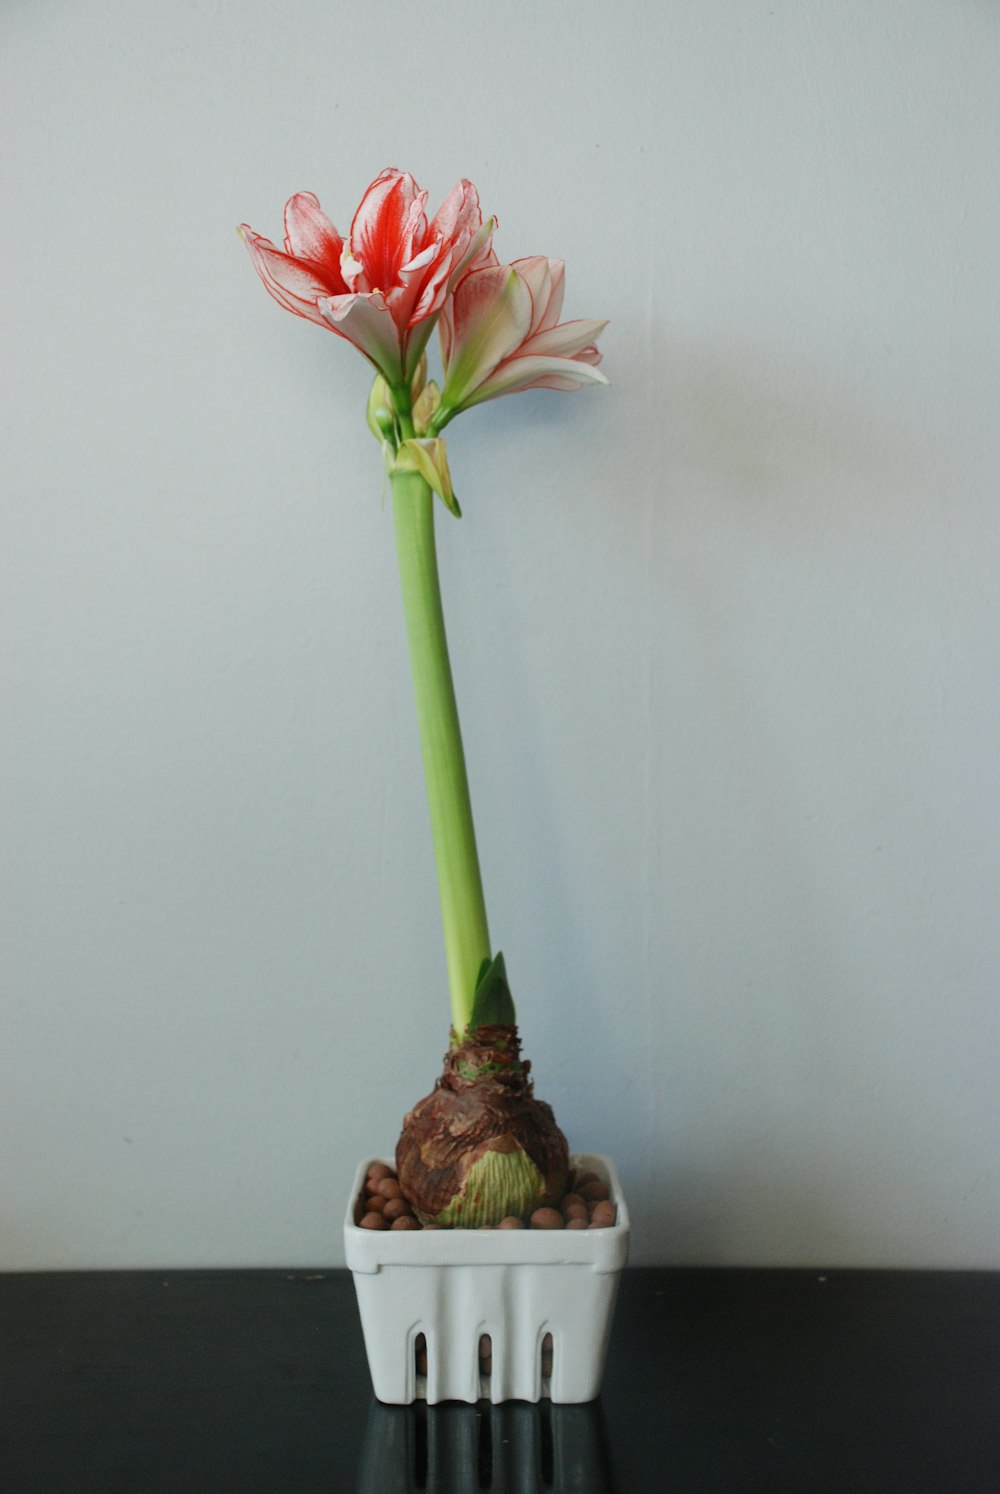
point(744, 1381)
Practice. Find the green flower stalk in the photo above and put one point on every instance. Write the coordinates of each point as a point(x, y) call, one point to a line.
point(463, 907)
point(480, 1146)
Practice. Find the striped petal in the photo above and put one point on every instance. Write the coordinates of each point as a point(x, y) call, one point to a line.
point(567, 340)
point(517, 374)
point(479, 253)
point(491, 314)
point(408, 294)
point(388, 228)
point(294, 284)
point(545, 279)
point(310, 235)
point(433, 288)
point(459, 217)
point(511, 311)
point(366, 320)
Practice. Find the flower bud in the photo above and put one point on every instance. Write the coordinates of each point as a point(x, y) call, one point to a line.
point(426, 406)
point(380, 413)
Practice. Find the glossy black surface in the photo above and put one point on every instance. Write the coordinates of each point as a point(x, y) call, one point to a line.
point(744, 1381)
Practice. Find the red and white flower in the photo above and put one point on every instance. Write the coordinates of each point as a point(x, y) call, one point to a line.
point(500, 333)
point(383, 287)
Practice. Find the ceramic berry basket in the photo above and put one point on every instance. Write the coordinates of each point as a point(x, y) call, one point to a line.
point(453, 1285)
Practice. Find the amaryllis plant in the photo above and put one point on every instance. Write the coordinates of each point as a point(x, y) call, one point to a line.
point(480, 1147)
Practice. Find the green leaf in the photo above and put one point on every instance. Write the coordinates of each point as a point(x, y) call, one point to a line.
point(493, 1005)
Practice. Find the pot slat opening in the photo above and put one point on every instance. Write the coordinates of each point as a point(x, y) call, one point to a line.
point(547, 1356)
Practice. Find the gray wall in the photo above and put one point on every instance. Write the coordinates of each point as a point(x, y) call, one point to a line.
point(725, 636)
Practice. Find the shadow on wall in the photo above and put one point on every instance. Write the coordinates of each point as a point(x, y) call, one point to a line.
point(740, 1212)
point(716, 446)
point(752, 428)
point(766, 1204)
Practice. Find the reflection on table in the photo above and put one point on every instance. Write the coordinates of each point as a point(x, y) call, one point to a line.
point(513, 1448)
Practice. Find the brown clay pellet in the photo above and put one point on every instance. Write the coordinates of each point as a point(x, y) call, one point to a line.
point(546, 1219)
point(595, 1192)
point(585, 1206)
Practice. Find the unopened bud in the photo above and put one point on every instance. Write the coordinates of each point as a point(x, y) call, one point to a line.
point(426, 406)
point(380, 413)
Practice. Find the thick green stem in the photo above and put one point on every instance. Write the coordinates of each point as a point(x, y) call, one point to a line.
point(463, 909)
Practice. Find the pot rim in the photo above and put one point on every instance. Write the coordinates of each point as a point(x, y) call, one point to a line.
point(600, 1250)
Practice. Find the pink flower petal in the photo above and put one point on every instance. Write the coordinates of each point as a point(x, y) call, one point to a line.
point(310, 235)
point(550, 288)
point(433, 286)
point(446, 331)
point(366, 321)
point(294, 285)
point(459, 216)
point(516, 374)
point(388, 221)
point(538, 278)
point(565, 341)
point(478, 254)
point(408, 292)
point(491, 315)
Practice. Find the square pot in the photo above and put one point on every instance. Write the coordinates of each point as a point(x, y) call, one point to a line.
point(453, 1285)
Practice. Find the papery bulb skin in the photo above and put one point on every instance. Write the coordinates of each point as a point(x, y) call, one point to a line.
point(480, 1148)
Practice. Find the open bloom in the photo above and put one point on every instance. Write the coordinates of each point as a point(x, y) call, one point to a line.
point(383, 287)
point(500, 333)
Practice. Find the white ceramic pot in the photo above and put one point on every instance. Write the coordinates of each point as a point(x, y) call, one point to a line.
point(453, 1285)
